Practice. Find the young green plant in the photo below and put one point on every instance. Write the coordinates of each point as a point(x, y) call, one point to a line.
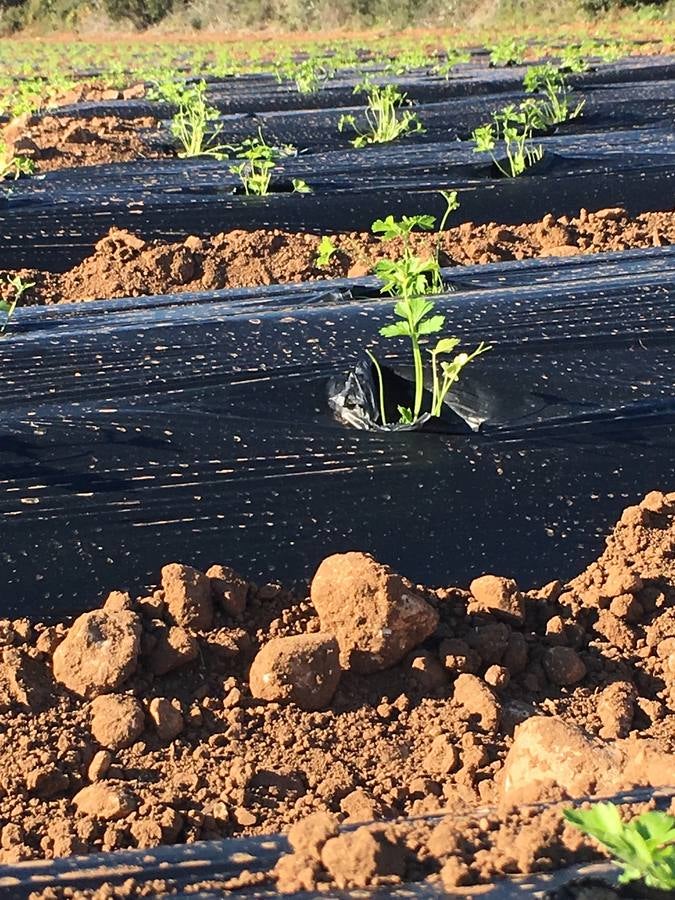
point(19, 288)
point(385, 115)
point(508, 52)
point(325, 252)
point(555, 104)
point(643, 847)
point(12, 166)
point(258, 162)
point(513, 127)
point(411, 279)
point(192, 125)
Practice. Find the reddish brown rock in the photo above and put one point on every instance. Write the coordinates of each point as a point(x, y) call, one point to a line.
point(442, 757)
point(99, 652)
point(616, 706)
point(187, 594)
point(117, 720)
point(355, 859)
point(564, 666)
point(174, 647)
point(375, 614)
point(310, 834)
point(499, 596)
point(477, 700)
point(304, 669)
point(167, 717)
point(105, 801)
point(229, 590)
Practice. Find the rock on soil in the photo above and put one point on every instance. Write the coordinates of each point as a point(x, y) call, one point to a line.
point(375, 614)
point(188, 598)
point(304, 669)
point(99, 652)
point(117, 720)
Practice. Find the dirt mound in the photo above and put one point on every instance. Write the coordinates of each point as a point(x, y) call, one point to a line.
point(61, 142)
point(491, 705)
point(126, 265)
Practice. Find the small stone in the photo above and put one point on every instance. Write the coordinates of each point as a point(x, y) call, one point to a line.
point(564, 666)
point(187, 594)
point(616, 707)
point(244, 817)
point(621, 581)
point(375, 614)
point(425, 668)
point(167, 717)
point(355, 858)
point(476, 698)
point(310, 834)
point(175, 647)
point(99, 765)
point(499, 596)
point(117, 720)
point(105, 801)
point(442, 758)
point(229, 590)
point(497, 677)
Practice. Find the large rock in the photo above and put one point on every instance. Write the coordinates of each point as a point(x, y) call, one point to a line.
point(99, 652)
point(374, 613)
point(187, 594)
point(304, 670)
point(550, 753)
point(116, 720)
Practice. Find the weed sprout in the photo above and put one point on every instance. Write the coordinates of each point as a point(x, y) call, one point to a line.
point(325, 252)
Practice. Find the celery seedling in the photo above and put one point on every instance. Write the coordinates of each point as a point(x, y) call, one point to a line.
point(556, 105)
point(19, 287)
point(514, 128)
point(191, 125)
point(383, 114)
point(259, 162)
point(410, 278)
point(325, 251)
point(12, 166)
point(644, 847)
point(452, 58)
point(508, 52)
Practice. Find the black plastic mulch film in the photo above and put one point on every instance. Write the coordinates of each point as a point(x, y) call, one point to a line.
point(199, 431)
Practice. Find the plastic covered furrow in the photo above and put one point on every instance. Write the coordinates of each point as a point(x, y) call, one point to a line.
point(127, 438)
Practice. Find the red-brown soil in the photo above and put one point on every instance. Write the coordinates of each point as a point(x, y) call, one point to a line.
point(125, 265)
point(62, 142)
point(145, 721)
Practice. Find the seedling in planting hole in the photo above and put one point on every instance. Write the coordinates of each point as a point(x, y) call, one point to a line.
point(452, 58)
point(643, 847)
point(325, 252)
point(308, 75)
point(259, 162)
point(573, 60)
point(509, 52)
point(514, 128)
point(192, 125)
point(19, 286)
point(556, 105)
point(386, 119)
point(13, 166)
point(410, 278)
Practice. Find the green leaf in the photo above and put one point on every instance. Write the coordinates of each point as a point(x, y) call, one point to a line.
point(446, 345)
point(5, 307)
point(397, 329)
point(432, 325)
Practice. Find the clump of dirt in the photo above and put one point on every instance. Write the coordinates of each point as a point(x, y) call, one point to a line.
point(59, 142)
point(214, 707)
point(125, 265)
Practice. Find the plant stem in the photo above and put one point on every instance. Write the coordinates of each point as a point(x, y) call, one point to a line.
point(380, 382)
